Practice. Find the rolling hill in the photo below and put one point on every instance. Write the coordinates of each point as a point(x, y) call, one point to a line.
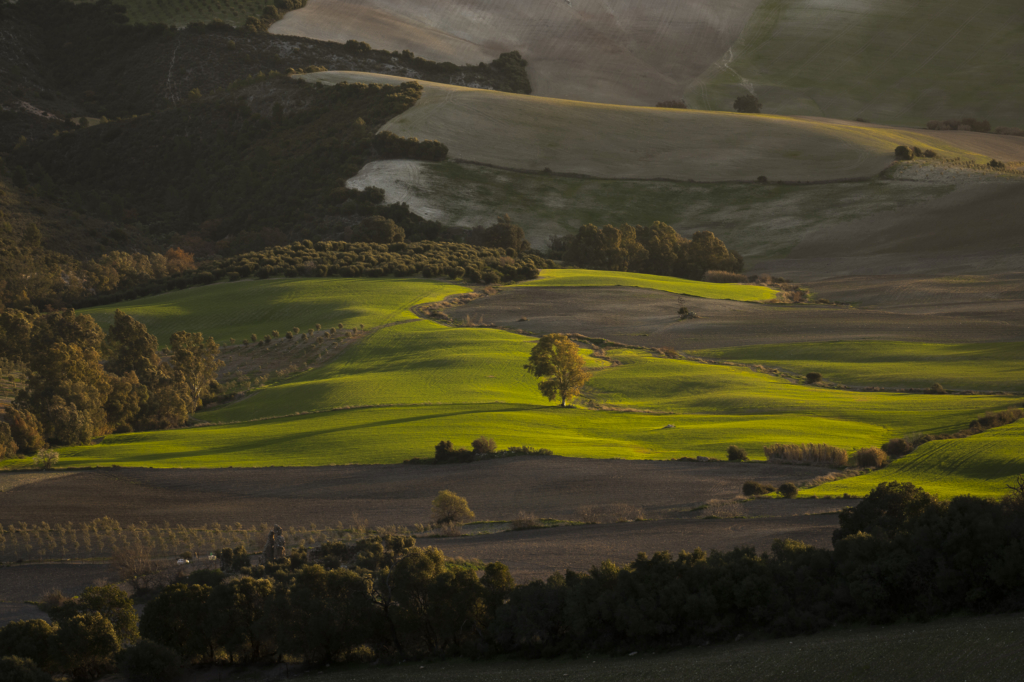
point(608, 141)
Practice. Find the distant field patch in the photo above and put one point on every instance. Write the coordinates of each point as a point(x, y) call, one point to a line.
point(524, 132)
point(673, 285)
point(974, 366)
point(902, 61)
point(238, 309)
point(184, 12)
point(981, 465)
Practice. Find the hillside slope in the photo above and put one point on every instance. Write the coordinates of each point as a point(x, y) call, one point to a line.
point(614, 51)
point(599, 140)
point(896, 61)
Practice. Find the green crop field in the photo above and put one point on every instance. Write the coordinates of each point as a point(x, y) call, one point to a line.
point(673, 285)
point(238, 309)
point(406, 386)
point(981, 465)
point(975, 366)
point(899, 62)
point(184, 12)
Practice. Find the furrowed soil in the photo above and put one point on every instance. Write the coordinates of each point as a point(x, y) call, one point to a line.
point(672, 495)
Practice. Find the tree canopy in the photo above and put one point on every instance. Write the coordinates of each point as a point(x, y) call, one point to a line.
point(558, 359)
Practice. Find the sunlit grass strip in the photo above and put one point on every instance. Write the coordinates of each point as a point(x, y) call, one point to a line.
point(673, 285)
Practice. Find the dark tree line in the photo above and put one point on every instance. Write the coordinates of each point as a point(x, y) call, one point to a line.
point(899, 554)
point(655, 250)
point(83, 384)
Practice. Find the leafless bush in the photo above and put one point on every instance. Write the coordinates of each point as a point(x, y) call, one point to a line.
point(588, 514)
point(723, 277)
point(810, 453)
point(871, 457)
point(525, 521)
point(46, 459)
point(449, 529)
point(134, 564)
point(621, 513)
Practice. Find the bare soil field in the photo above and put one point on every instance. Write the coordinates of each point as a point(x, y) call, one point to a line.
point(596, 50)
point(530, 133)
point(643, 317)
point(548, 487)
point(676, 497)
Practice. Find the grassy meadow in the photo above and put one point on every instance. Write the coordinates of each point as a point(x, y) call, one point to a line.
point(880, 61)
point(971, 367)
point(237, 309)
point(408, 385)
point(980, 465)
point(673, 285)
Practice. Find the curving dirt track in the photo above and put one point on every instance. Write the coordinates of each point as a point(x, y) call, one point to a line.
point(614, 51)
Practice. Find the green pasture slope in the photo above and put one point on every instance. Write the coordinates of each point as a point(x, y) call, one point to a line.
point(184, 12)
point(237, 309)
point(407, 386)
point(901, 62)
point(981, 465)
point(673, 285)
point(969, 367)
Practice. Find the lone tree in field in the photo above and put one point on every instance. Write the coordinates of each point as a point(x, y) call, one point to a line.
point(747, 104)
point(451, 508)
point(557, 358)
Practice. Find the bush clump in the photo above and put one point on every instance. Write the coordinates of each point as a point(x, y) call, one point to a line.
point(897, 447)
point(737, 454)
point(813, 377)
point(751, 488)
point(448, 507)
point(810, 453)
point(788, 490)
point(484, 446)
point(15, 669)
point(876, 458)
point(148, 661)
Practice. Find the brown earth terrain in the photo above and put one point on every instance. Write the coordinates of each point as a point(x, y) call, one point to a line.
point(596, 50)
point(675, 498)
point(643, 317)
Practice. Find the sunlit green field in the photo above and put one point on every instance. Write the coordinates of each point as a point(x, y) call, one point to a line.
point(673, 285)
point(410, 383)
point(237, 309)
point(973, 366)
point(980, 465)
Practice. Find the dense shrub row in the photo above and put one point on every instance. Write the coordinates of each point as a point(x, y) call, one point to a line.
point(656, 250)
point(898, 554)
point(344, 259)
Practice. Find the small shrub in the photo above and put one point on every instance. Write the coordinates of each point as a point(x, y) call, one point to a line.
point(897, 447)
point(737, 454)
point(904, 153)
point(525, 521)
point(723, 277)
point(448, 507)
point(46, 459)
point(484, 446)
point(788, 490)
point(996, 164)
point(871, 457)
point(747, 104)
point(589, 514)
point(807, 454)
point(754, 488)
point(150, 661)
point(813, 377)
point(937, 389)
